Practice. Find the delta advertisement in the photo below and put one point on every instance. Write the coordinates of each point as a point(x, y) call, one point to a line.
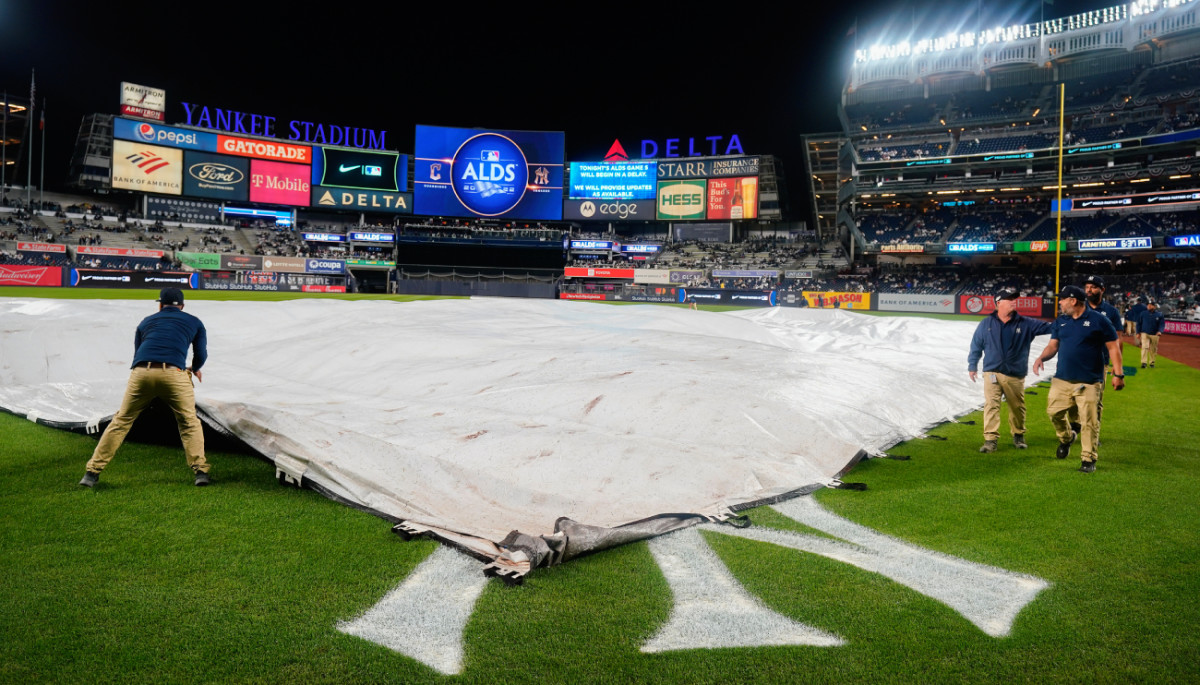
point(148, 168)
point(936, 304)
point(837, 300)
point(113, 278)
point(469, 173)
point(362, 200)
point(21, 274)
point(985, 304)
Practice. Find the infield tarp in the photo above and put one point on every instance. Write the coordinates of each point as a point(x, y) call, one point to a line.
point(564, 421)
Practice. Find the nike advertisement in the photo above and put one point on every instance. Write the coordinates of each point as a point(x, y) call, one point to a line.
point(473, 173)
point(359, 169)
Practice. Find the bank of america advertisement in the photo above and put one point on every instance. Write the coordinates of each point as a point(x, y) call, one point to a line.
point(147, 168)
point(469, 173)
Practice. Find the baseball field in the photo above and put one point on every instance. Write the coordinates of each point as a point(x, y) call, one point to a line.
point(149, 579)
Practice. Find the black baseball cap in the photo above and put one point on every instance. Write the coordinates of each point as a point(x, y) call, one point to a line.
point(1005, 294)
point(170, 296)
point(1096, 281)
point(1072, 291)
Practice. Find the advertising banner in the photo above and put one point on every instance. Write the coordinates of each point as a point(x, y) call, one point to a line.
point(1039, 246)
point(745, 273)
point(148, 168)
point(113, 278)
point(228, 284)
point(362, 200)
point(323, 237)
point(902, 247)
point(970, 247)
point(603, 245)
point(800, 273)
point(741, 298)
point(241, 262)
point(708, 168)
point(641, 248)
point(613, 180)
point(893, 302)
point(370, 263)
point(468, 172)
point(20, 274)
point(1184, 241)
point(217, 176)
point(119, 251)
point(733, 198)
point(984, 304)
point(182, 209)
point(1191, 328)
point(323, 288)
point(200, 261)
point(143, 101)
point(652, 276)
point(359, 169)
point(581, 272)
point(324, 266)
point(1142, 243)
point(265, 149)
point(368, 237)
point(292, 265)
point(41, 247)
point(660, 295)
point(167, 136)
point(279, 183)
point(582, 296)
point(608, 210)
point(837, 300)
point(681, 200)
point(1142, 200)
point(686, 275)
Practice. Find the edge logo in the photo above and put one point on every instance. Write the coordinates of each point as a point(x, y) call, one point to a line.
point(489, 174)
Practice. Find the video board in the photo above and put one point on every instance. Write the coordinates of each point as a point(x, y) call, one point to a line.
point(613, 180)
point(474, 173)
point(359, 169)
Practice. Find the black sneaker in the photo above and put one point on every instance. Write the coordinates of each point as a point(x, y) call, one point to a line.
point(1152, 365)
point(1087, 466)
point(1019, 441)
point(1064, 448)
point(1143, 366)
point(202, 479)
point(89, 479)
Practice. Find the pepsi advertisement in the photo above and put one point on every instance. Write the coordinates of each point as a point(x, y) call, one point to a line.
point(157, 134)
point(478, 173)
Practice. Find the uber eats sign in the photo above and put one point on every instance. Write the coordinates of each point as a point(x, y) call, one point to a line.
point(681, 199)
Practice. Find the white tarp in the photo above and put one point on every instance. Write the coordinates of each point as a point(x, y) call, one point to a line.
point(474, 418)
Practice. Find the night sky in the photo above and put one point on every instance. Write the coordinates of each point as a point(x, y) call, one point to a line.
point(598, 72)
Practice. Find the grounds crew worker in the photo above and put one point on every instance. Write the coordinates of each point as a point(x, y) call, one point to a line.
point(1079, 338)
point(160, 371)
point(1093, 287)
point(1150, 327)
point(1004, 337)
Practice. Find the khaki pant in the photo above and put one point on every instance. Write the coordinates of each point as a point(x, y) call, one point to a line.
point(1149, 348)
point(1084, 398)
point(173, 386)
point(1130, 327)
point(1013, 390)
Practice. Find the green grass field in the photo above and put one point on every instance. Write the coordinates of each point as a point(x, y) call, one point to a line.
point(148, 579)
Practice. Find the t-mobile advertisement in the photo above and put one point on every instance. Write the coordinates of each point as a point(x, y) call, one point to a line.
point(279, 183)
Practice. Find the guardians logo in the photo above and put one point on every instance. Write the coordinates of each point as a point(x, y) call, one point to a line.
point(490, 174)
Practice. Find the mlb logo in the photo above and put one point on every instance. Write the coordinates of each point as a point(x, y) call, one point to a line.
point(490, 156)
point(372, 170)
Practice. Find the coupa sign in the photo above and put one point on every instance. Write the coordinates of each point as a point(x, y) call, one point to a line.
point(324, 266)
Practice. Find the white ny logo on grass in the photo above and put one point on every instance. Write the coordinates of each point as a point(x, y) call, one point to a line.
point(424, 617)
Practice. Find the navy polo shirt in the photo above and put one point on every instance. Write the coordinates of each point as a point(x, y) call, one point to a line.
point(166, 336)
point(1081, 346)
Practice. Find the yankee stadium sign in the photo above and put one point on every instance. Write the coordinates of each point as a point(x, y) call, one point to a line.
point(248, 123)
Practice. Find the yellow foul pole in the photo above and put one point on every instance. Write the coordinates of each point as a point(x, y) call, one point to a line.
point(1062, 98)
